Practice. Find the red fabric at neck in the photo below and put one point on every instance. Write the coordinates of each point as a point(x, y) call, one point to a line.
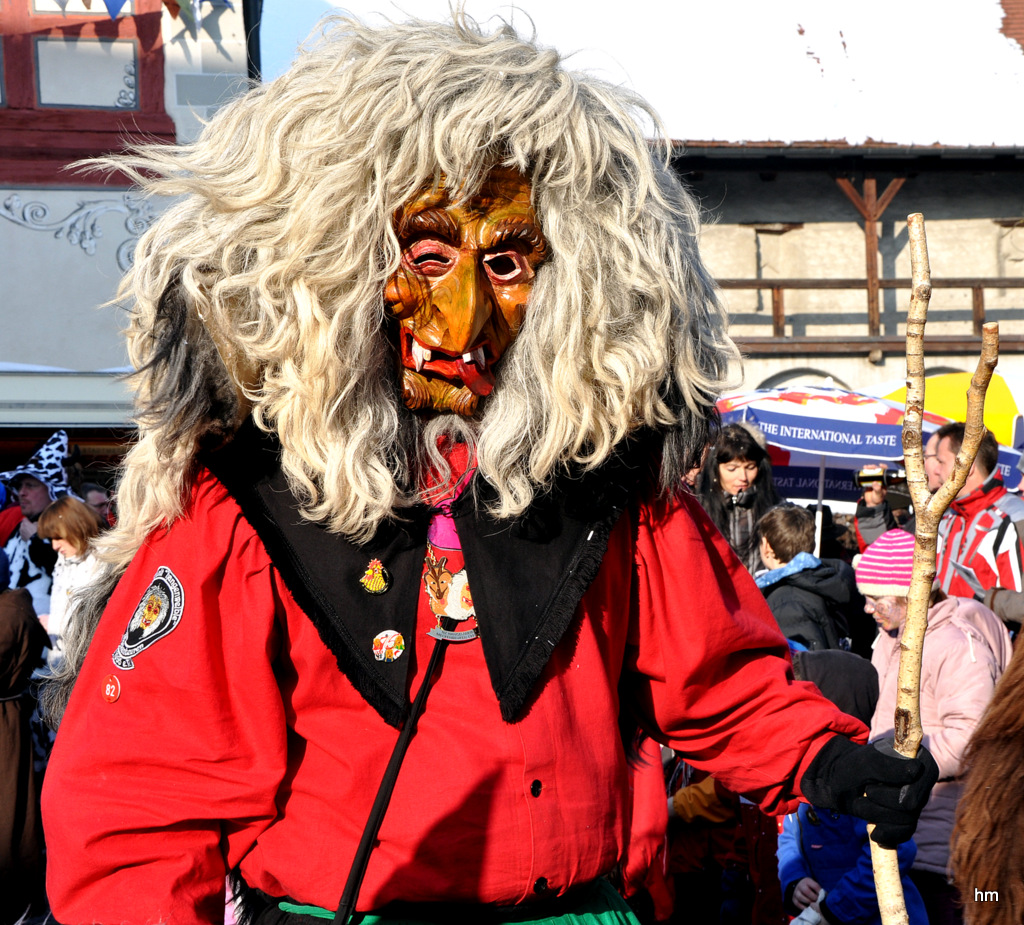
point(461, 463)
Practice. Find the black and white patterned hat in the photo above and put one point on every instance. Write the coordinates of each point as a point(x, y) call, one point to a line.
point(46, 464)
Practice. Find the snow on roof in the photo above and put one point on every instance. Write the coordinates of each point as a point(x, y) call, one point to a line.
point(899, 72)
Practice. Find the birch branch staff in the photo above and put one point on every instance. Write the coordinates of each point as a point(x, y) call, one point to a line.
point(929, 510)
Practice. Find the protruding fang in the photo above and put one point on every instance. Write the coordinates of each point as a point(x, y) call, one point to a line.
point(479, 358)
point(420, 354)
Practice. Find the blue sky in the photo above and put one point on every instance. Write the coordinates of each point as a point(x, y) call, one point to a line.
point(285, 23)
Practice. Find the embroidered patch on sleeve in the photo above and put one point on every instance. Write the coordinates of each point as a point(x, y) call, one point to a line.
point(157, 614)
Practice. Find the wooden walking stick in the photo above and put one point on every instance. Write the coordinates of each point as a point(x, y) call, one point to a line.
point(928, 510)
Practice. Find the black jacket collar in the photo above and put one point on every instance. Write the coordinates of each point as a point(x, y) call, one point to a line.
point(527, 575)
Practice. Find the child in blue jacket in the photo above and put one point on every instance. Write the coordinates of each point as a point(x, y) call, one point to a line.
point(820, 849)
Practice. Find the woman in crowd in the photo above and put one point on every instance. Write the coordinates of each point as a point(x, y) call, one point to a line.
point(70, 525)
point(736, 487)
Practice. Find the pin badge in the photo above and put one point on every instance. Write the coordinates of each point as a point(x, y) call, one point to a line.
point(111, 688)
point(388, 646)
point(376, 579)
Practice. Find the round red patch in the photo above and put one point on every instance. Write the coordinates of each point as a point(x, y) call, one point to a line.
point(111, 688)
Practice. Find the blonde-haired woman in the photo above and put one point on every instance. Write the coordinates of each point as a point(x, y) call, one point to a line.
point(70, 525)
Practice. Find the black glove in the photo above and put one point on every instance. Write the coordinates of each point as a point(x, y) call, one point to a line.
point(873, 782)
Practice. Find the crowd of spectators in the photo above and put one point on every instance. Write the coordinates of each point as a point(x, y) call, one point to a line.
point(47, 525)
point(845, 615)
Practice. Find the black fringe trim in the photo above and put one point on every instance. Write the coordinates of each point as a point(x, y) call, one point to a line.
point(246, 483)
point(559, 615)
point(389, 702)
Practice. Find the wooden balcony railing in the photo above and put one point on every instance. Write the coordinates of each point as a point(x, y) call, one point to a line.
point(873, 339)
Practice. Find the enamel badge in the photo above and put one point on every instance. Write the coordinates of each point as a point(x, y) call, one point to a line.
point(376, 579)
point(388, 646)
point(111, 688)
point(157, 614)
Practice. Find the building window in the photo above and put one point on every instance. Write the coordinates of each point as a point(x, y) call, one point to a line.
point(77, 84)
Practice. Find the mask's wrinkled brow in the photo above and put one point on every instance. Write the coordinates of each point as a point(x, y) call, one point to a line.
point(519, 230)
point(429, 221)
point(436, 221)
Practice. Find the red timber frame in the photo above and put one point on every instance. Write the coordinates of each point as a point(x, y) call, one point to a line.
point(37, 142)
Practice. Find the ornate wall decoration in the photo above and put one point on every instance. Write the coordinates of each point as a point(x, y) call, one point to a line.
point(128, 98)
point(81, 227)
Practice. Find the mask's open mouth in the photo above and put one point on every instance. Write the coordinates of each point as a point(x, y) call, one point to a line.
point(472, 367)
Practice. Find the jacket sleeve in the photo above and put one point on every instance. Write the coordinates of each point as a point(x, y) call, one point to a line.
point(168, 758)
point(702, 801)
point(793, 865)
point(960, 684)
point(997, 559)
point(872, 521)
point(707, 668)
point(1006, 603)
point(853, 898)
point(1010, 555)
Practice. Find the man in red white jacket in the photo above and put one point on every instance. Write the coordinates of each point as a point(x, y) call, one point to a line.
point(981, 535)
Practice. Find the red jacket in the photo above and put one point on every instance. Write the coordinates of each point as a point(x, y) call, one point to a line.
point(233, 739)
point(979, 532)
point(10, 519)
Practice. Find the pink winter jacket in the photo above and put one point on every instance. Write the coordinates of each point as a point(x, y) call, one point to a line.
point(966, 649)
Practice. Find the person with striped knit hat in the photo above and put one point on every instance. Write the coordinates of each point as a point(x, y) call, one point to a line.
point(966, 650)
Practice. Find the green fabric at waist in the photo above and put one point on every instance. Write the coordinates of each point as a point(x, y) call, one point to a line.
point(595, 904)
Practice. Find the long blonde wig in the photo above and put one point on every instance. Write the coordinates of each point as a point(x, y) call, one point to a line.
point(282, 240)
point(260, 290)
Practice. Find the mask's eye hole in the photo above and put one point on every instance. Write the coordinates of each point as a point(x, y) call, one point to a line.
point(508, 267)
point(430, 257)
